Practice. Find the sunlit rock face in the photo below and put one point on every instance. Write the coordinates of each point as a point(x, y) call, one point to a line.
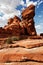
point(10, 21)
point(17, 27)
point(29, 12)
point(27, 16)
point(13, 26)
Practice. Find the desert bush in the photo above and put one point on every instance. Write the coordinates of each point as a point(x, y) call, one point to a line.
point(9, 41)
point(13, 38)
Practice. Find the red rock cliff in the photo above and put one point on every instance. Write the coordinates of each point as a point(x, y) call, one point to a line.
point(18, 27)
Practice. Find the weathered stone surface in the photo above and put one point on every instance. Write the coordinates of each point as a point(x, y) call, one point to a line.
point(29, 27)
point(27, 14)
point(36, 37)
point(29, 43)
point(22, 30)
point(28, 8)
point(3, 33)
point(2, 30)
point(21, 54)
point(29, 11)
point(23, 63)
point(16, 19)
point(10, 21)
point(13, 27)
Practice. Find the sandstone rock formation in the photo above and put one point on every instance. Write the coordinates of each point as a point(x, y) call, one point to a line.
point(29, 12)
point(17, 27)
point(28, 15)
point(14, 26)
point(10, 21)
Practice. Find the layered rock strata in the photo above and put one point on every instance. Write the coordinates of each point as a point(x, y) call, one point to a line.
point(21, 54)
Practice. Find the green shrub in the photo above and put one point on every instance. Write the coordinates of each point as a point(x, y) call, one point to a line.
point(9, 41)
point(13, 38)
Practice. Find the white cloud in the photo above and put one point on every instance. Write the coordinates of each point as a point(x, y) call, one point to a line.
point(8, 8)
point(22, 2)
point(39, 28)
point(2, 22)
point(10, 15)
point(28, 2)
point(12, 3)
point(38, 2)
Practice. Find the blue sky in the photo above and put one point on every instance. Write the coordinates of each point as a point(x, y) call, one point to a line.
point(10, 8)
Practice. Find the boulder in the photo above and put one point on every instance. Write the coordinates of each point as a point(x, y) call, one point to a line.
point(29, 12)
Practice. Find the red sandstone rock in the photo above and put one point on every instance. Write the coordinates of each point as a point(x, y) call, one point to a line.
point(29, 8)
point(31, 30)
point(21, 54)
point(22, 31)
point(10, 21)
point(29, 27)
point(2, 30)
point(29, 43)
point(29, 12)
point(18, 27)
point(27, 16)
point(23, 63)
point(14, 26)
point(16, 19)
